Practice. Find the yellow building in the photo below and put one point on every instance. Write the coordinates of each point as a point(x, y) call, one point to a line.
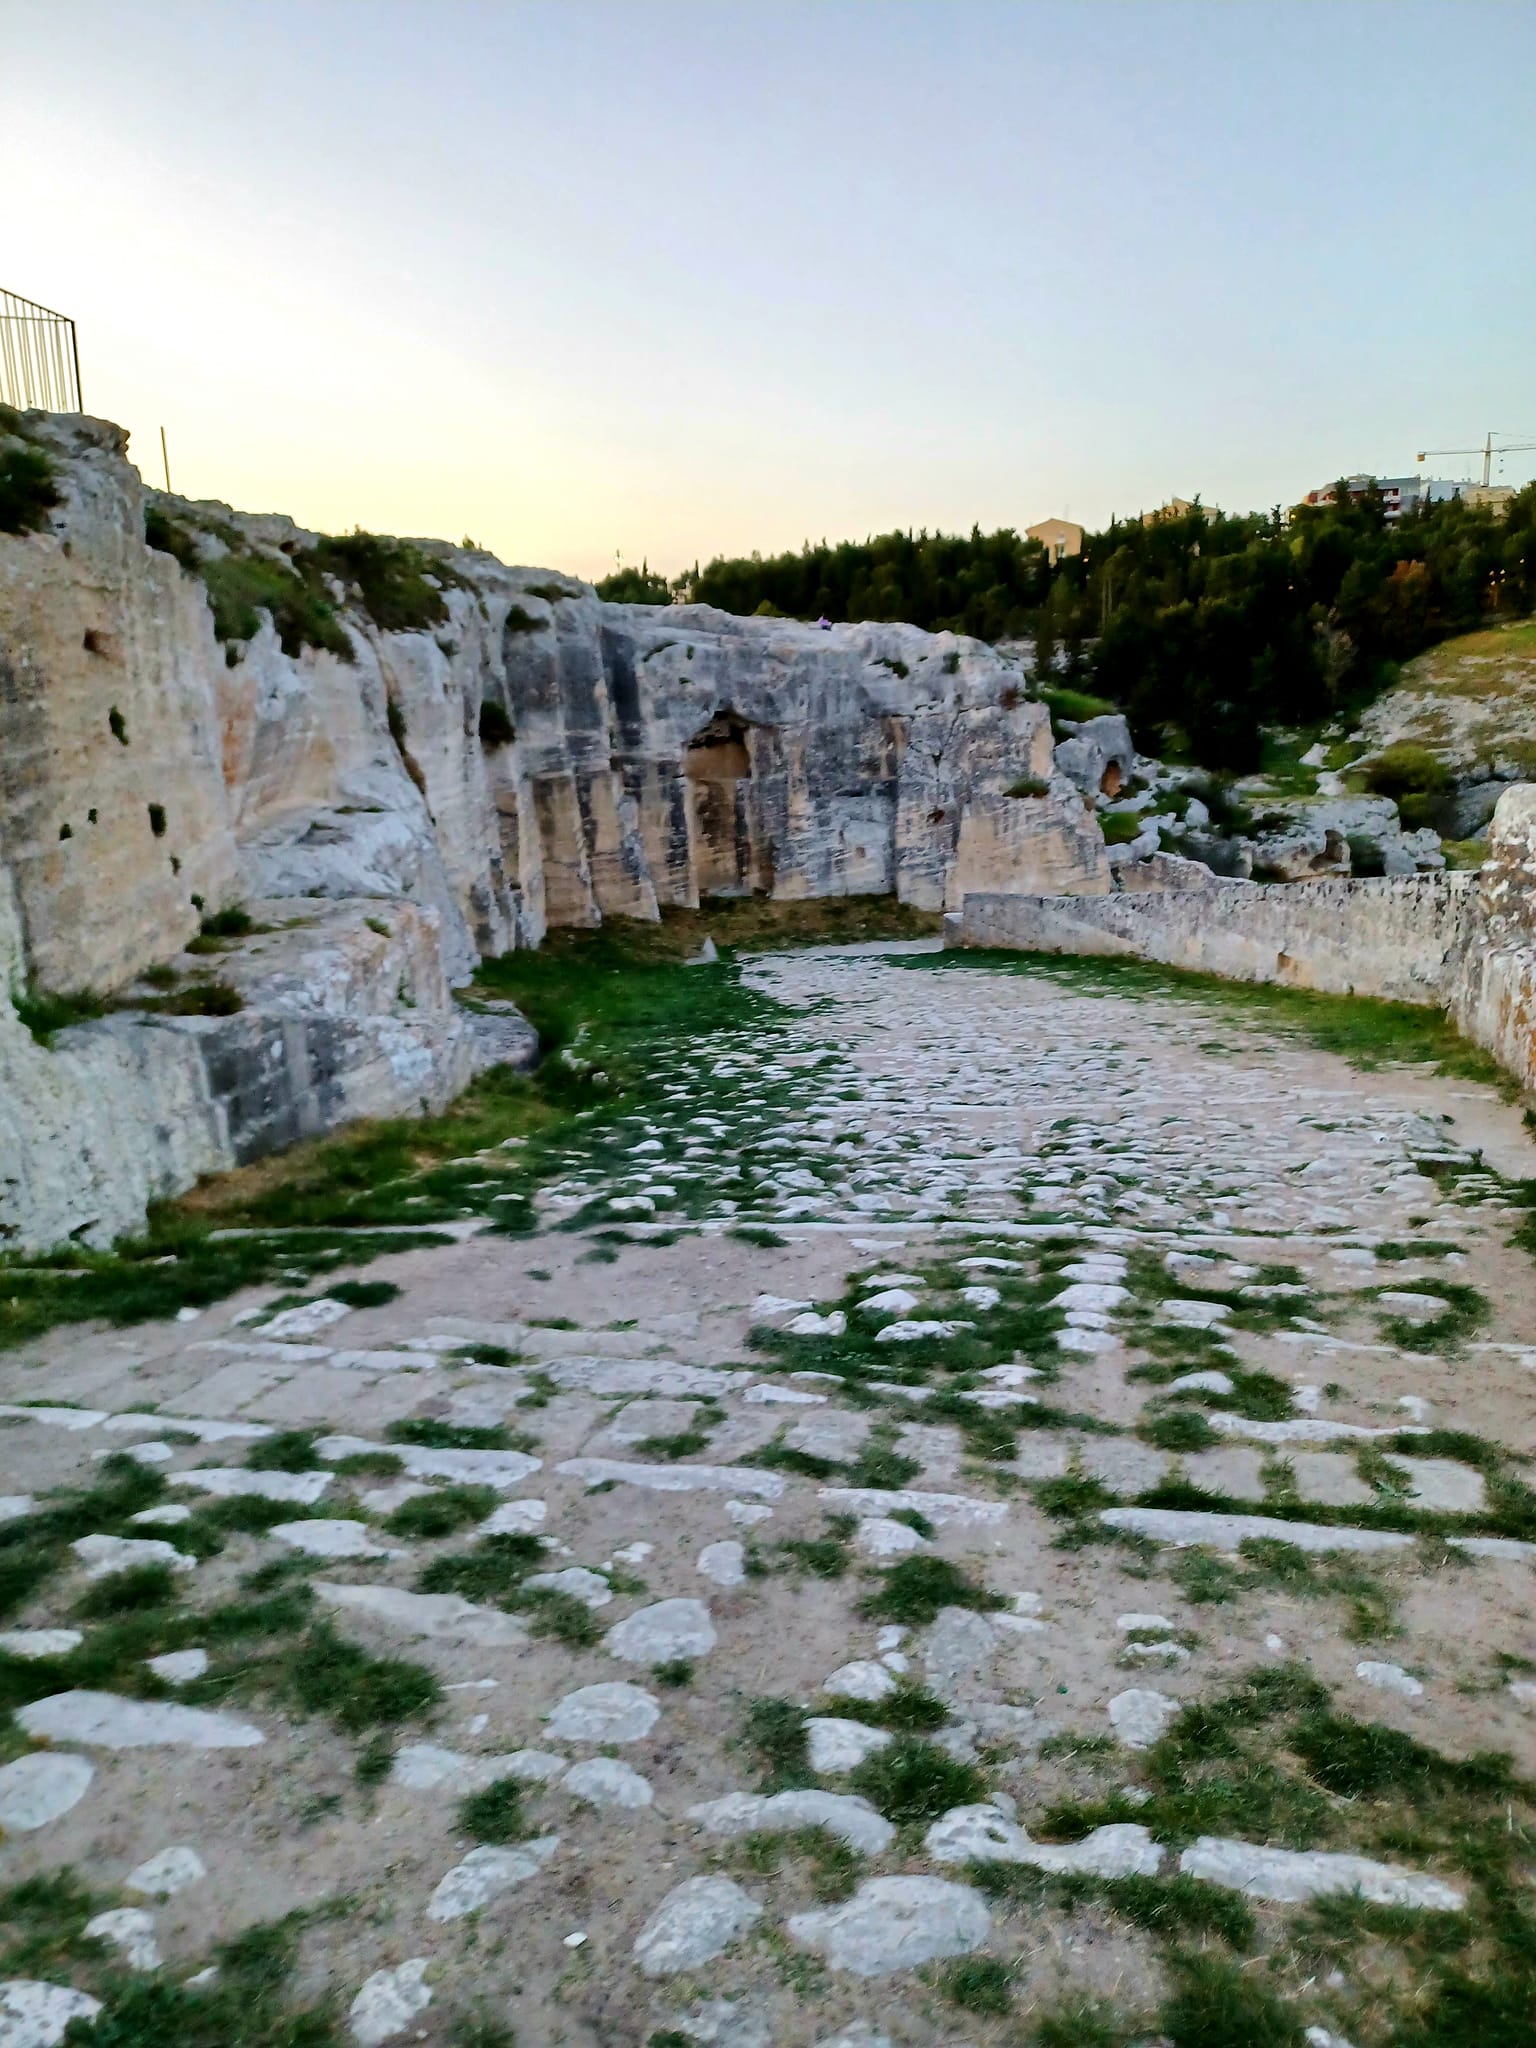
point(1058, 537)
point(1174, 509)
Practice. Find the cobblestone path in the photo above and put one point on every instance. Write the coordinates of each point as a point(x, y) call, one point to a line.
point(988, 1512)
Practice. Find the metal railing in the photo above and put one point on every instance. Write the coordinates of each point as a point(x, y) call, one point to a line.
point(39, 356)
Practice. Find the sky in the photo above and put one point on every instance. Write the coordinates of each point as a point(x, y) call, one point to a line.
point(677, 278)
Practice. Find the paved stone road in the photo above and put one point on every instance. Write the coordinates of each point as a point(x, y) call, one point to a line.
point(847, 1482)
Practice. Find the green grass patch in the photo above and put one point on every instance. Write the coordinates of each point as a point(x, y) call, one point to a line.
point(912, 1782)
point(495, 1813)
point(913, 1591)
point(979, 1984)
point(775, 1730)
point(442, 1512)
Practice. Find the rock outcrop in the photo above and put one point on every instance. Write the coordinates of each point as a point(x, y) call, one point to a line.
point(389, 787)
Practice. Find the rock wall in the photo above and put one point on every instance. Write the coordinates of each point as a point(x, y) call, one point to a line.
point(394, 807)
point(1493, 1001)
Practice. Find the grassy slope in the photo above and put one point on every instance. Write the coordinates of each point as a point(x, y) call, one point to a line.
point(1470, 698)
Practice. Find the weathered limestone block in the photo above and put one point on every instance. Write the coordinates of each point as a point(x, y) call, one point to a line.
point(1493, 999)
point(113, 807)
point(1098, 757)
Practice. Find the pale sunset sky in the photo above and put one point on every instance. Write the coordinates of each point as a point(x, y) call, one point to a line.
point(682, 279)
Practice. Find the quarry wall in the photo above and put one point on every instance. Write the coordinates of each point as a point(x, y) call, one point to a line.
point(389, 808)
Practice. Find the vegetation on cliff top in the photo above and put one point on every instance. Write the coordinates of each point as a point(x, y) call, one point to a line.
point(27, 489)
point(1203, 629)
point(398, 585)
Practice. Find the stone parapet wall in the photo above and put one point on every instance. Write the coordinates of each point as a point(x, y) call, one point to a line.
point(1399, 938)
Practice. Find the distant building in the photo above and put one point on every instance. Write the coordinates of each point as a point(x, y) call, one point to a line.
point(1176, 508)
point(1399, 494)
point(1494, 498)
point(1058, 537)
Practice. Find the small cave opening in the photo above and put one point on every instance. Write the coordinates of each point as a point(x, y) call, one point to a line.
point(731, 855)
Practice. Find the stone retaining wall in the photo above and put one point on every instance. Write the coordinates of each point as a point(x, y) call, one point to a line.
point(1394, 937)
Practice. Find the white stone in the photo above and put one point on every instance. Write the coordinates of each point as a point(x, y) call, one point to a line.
point(944, 1510)
point(1300, 1429)
point(326, 1538)
point(1201, 1383)
point(234, 1482)
point(165, 1517)
point(813, 1325)
point(1185, 1526)
point(1139, 1716)
point(980, 1298)
point(388, 2002)
point(983, 1834)
point(694, 1923)
point(990, 1265)
point(425, 1767)
point(879, 1537)
point(723, 1563)
point(308, 1319)
point(131, 1931)
point(1091, 1294)
point(164, 1875)
point(54, 1418)
point(764, 1394)
point(676, 1478)
point(915, 1332)
point(35, 2015)
point(890, 1301)
point(861, 1680)
point(485, 1874)
point(590, 1588)
point(1390, 1678)
point(40, 1642)
point(615, 1712)
point(725, 2023)
point(102, 1555)
point(1415, 1308)
point(895, 1923)
point(836, 1746)
point(514, 1518)
point(206, 1430)
point(1290, 1875)
point(662, 1633)
point(1192, 1315)
point(180, 1667)
point(746, 1514)
point(13, 1506)
point(442, 1617)
point(501, 1469)
point(37, 1789)
point(606, 1781)
point(852, 1820)
point(105, 1720)
point(859, 2035)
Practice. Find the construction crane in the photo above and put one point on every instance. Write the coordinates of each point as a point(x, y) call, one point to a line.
point(1487, 452)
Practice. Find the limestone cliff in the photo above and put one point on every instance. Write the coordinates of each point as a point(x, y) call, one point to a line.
point(391, 780)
